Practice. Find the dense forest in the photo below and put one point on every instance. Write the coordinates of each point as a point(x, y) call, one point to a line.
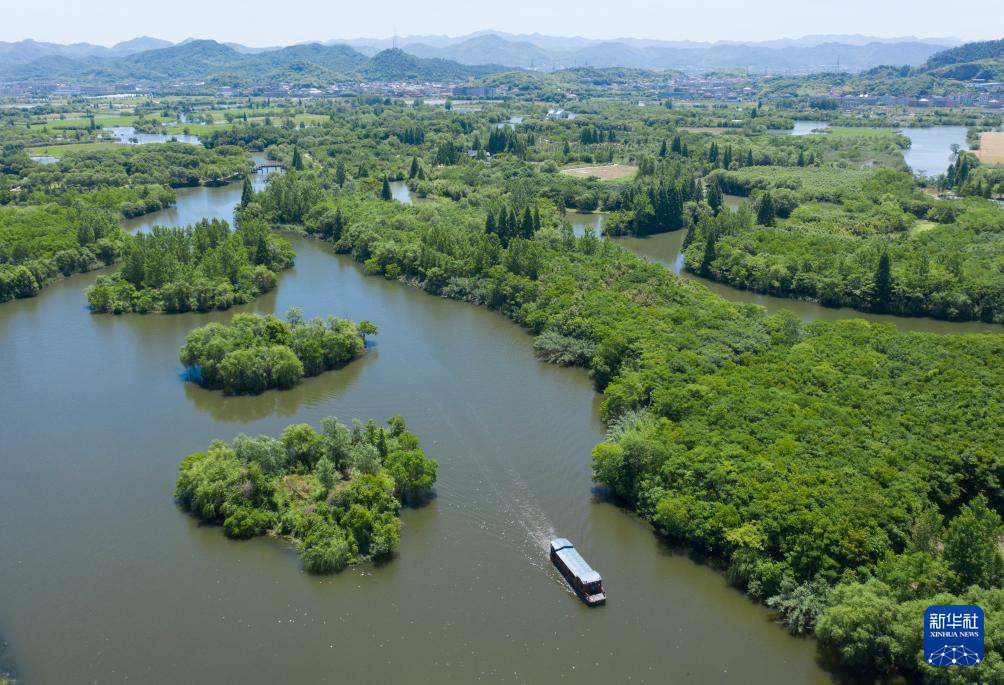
point(40, 242)
point(886, 247)
point(337, 493)
point(166, 164)
point(253, 353)
point(199, 268)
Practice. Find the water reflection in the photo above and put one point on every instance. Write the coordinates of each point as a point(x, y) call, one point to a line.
point(310, 392)
point(471, 596)
point(581, 221)
point(400, 191)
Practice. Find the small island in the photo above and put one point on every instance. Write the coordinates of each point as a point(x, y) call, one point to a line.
point(255, 353)
point(337, 494)
point(198, 268)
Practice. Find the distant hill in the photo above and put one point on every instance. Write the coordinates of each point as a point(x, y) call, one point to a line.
point(395, 64)
point(947, 71)
point(29, 50)
point(194, 59)
point(970, 52)
point(983, 60)
point(488, 48)
point(807, 54)
point(810, 53)
point(129, 47)
point(494, 49)
point(209, 61)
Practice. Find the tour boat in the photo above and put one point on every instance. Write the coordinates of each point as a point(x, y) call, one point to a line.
point(580, 575)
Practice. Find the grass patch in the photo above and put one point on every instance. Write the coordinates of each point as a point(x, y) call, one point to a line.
point(60, 150)
point(605, 172)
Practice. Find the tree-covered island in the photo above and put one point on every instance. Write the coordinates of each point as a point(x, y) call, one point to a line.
point(336, 493)
point(254, 353)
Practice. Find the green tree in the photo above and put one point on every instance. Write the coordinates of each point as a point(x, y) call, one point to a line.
point(715, 197)
point(710, 255)
point(385, 193)
point(765, 210)
point(882, 292)
point(972, 547)
point(327, 475)
point(247, 192)
point(413, 473)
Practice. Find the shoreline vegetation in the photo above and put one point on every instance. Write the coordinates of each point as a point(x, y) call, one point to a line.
point(336, 494)
point(254, 353)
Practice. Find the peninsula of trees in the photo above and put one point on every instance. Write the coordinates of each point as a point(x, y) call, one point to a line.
point(254, 353)
point(199, 268)
point(336, 493)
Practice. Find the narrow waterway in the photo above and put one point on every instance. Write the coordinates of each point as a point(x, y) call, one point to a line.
point(108, 581)
point(666, 249)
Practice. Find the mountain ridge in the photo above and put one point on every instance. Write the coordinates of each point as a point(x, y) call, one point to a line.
point(210, 61)
point(855, 52)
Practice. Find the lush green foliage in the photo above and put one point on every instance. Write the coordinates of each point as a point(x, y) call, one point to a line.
point(254, 353)
point(166, 164)
point(198, 268)
point(59, 219)
point(943, 258)
point(336, 493)
point(834, 469)
point(39, 242)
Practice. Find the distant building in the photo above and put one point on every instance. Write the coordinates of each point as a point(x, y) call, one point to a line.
point(558, 113)
point(474, 91)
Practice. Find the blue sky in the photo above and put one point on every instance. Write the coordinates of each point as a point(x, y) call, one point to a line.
point(266, 22)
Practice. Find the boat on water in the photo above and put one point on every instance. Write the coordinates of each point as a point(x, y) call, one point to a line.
point(580, 575)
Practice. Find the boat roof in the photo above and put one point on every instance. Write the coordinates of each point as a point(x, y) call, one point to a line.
point(574, 561)
point(560, 543)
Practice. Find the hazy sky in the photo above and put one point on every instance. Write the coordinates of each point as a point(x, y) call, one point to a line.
point(267, 22)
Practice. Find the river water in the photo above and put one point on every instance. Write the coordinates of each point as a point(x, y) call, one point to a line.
point(665, 249)
point(930, 150)
point(106, 580)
